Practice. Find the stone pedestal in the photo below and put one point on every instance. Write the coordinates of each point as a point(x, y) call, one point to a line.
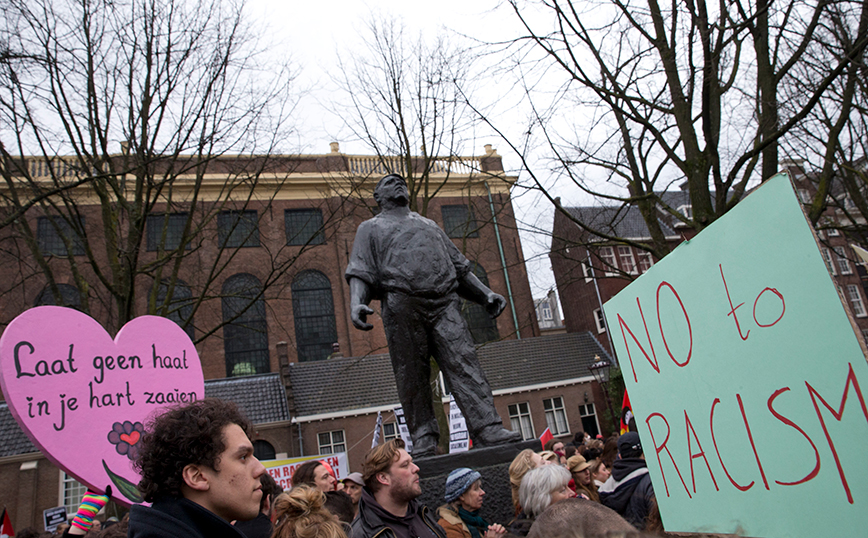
point(492, 463)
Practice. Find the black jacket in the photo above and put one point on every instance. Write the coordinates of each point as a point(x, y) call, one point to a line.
point(258, 527)
point(629, 491)
point(171, 518)
point(370, 522)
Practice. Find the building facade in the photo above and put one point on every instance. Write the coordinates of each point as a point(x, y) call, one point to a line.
point(589, 270)
point(260, 288)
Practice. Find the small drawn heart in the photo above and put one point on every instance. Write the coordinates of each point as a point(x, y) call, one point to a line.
point(132, 438)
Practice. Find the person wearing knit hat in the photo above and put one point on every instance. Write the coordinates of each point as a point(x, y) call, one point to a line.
point(581, 482)
point(460, 517)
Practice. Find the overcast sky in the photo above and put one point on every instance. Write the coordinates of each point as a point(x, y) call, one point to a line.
point(314, 33)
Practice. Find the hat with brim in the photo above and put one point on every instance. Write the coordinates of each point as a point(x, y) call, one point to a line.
point(577, 463)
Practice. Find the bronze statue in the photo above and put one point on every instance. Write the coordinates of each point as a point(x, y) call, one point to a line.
point(410, 264)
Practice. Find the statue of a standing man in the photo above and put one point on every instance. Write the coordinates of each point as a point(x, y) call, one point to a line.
point(409, 264)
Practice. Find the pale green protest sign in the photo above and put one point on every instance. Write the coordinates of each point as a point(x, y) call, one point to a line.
point(744, 374)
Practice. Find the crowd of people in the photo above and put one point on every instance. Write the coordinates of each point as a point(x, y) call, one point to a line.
point(200, 478)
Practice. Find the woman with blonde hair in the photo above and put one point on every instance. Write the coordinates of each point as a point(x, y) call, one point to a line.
point(526, 460)
point(301, 513)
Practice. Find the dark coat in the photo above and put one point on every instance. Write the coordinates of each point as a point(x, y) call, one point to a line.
point(520, 526)
point(178, 518)
point(373, 520)
point(629, 491)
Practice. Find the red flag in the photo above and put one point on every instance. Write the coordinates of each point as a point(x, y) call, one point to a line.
point(6, 526)
point(546, 437)
point(626, 413)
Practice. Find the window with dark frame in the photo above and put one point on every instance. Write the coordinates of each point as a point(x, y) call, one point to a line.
point(236, 229)
point(483, 328)
point(50, 235)
point(304, 227)
point(459, 221)
point(263, 450)
point(173, 224)
point(314, 313)
point(179, 308)
point(69, 297)
point(245, 334)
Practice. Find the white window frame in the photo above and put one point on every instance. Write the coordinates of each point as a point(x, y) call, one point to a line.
point(330, 447)
point(865, 335)
point(645, 258)
point(71, 494)
point(395, 432)
point(803, 196)
point(556, 416)
point(587, 271)
point(686, 210)
point(607, 258)
point(855, 297)
point(833, 232)
point(546, 309)
point(627, 260)
point(843, 262)
point(590, 410)
point(827, 257)
point(522, 419)
point(600, 321)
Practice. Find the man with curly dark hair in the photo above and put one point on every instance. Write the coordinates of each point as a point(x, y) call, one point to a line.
point(198, 471)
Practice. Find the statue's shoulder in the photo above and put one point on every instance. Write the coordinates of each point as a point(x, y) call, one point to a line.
point(423, 220)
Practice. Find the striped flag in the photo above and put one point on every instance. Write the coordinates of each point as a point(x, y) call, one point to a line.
point(377, 429)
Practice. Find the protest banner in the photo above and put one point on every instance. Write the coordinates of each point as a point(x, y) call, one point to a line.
point(459, 437)
point(53, 517)
point(84, 398)
point(403, 430)
point(281, 470)
point(744, 374)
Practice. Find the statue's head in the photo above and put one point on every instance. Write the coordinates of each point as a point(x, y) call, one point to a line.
point(392, 189)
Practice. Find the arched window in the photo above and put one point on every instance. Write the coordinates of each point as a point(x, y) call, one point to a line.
point(263, 450)
point(314, 312)
point(245, 335)
point(179, 308)
point(69, 296)
point(482, 327)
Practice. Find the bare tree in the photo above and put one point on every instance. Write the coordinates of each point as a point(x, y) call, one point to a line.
point(633, 98)
point(831, 143)
point(403, 98)
point(135, 136)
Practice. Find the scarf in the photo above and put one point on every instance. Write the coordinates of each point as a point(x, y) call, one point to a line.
point(473, 521)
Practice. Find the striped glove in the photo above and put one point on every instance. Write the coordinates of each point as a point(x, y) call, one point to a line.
point(91, 504)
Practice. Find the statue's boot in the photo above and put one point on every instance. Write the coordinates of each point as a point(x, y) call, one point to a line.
point(494, 435)
point(425, 445)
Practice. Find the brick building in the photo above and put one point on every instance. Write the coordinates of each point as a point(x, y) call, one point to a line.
point(284, 240)
point(589, 270)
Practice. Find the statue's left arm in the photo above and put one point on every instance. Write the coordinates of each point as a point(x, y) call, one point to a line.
point(472, 289)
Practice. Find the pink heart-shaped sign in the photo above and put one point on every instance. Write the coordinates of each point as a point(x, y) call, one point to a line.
point(83, 399)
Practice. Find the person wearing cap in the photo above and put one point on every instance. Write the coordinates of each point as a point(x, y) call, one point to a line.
point(581, 482)
point(628, 490)
point(353, 485)
point(460, 517)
